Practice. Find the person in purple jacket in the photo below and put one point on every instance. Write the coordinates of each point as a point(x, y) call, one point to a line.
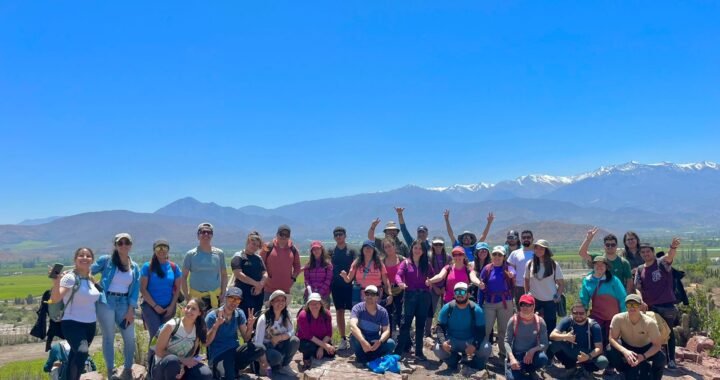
point(314, 329)
point(318, 273)
point(412, 276)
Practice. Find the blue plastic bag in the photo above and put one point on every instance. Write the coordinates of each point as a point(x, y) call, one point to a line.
point(386, 363)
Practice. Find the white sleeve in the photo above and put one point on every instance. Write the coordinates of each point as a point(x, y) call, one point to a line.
point(559, 274)
point(260, 331)
point(291, 328)
point(68, 280)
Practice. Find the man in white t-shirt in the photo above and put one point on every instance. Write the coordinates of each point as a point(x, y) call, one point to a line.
point(519, 259)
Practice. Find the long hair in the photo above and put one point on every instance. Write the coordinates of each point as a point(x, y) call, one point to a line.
point(200, 326)
point(323, 313)
point(360, 260)
point(424, 262)
point(637, 238)
point(323, 261)
point(92, 254)
point(155, 265)
point(478, 266)
point(270, 316)
point(547, 263)
point(117, 262)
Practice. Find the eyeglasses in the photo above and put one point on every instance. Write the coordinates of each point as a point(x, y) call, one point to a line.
point(633, 305)
point(610, 245)
point(497, 254)
point(460, 292)
point(123, 242)
point(523, 304)
point(370, 294)
point(336, 234)
point(162, 248)
point(284, 234)
point(205, 232)
point(578, 313)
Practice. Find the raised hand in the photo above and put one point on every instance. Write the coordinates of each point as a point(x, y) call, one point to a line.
point(675, 243)
point(375, 222)
point(591, 233)
point(251, 317)
point(490, 217)
point(399, 210)
point(446, 214)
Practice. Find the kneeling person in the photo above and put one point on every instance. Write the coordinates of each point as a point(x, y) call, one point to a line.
point(370, 327)
point(639, 351)
point(462, 331)
point(225, 354)
point(577, 342)
point(526, 340)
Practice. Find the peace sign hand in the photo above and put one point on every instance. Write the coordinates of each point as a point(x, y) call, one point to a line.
point(251, 317)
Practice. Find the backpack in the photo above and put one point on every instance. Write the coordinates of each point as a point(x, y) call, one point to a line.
point(662, 326)
point(677, 276)
point(173, 267)
point(537, 327)
point(452, 305)
point(510, 282)
point(268, 250)
point(153, 343)
point(56, 310)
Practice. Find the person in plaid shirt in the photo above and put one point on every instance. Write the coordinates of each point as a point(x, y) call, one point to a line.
point(318, 273)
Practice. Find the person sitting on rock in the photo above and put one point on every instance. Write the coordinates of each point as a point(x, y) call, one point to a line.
point(314, 329)
point(370, 327)
point(461, 331)
point(639, 354)
point(526, 340)
point(577, 342)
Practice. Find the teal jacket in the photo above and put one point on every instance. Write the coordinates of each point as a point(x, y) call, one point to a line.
point(105, 266)
point(614, 289)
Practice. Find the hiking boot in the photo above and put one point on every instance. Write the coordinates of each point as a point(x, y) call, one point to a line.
point(306, 364)
point(672, 365)
point(344, 345)
point(126, 374)
point(286, 371)
point(420, 358)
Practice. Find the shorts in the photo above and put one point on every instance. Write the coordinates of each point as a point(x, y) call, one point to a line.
point(342, 296)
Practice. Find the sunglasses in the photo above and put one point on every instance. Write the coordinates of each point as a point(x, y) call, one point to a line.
point(123, 242)
point(284, 234)
point(205, 232)
point(497, 254)
point(337, 234)
point(527, 237)
point(461, 292)
point(633, 305)
point(578, 313)
point(523, 304)
point(610, 245)
point(511, 237)
point(161, 248)
point(438, 245)
point(370, 294)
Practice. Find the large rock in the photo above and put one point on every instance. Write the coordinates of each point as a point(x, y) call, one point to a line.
point(682, 353)
point(700, 344)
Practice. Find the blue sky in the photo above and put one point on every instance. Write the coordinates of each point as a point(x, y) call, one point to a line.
point(134, 105)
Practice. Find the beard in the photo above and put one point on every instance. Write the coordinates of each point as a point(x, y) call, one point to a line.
point(526, 244)
point(462, 302)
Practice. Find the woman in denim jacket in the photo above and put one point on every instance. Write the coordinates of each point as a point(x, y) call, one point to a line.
point(120, 284)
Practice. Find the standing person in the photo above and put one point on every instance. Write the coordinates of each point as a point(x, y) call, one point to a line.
point(438, 259)
point(342, 257)
point(318, 273)
point(512, 241)
point(226, 356)
point(654, 280)
point(544, 280)
point(282, 262)
point(497, 281)
point(391, 231)
point(525, 342)
point(370, 327)
point(207, 266)
point(412, 277)
point(120, 282)
point(457, 271)
point(250, 274)
point(276, 333)
point(179, 340)
point(368, 269)
point(640, 351)
point(80, 294)
point(519, 259)
point(160, 282)
point(482, 259)
point(605, 293)
point(462, 331)
point(467, 239)
point(314, 329)
point(618, 265)
point(422, 231)
point(577, 342)
point(631, 242)
point(395, 307)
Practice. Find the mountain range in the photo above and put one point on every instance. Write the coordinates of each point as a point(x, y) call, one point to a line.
point(649, 198)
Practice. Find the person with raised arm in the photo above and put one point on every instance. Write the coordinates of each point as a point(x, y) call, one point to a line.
point(467, 239)
point(422, 231)
point(618, 265)
point(391, 231)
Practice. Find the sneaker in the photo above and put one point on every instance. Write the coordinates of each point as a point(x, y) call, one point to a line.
point(344, 345)
point(306, 364)
point(126, 374)
point(672, 365)
point(286, 371)
point(420, 358)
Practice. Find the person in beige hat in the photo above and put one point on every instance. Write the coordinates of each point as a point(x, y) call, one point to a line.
point(391, 231)
point(544, 280)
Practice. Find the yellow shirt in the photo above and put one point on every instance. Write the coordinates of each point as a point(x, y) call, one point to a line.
point(639, 334)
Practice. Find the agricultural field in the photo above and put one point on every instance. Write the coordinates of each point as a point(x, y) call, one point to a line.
point(22, 285)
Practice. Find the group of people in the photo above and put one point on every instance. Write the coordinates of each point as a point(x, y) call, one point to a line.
point(508, 295)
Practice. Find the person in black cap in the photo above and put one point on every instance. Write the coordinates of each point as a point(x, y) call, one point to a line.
point(342, 256)
point(422, 231)
point(160, 282)
point(282, 262)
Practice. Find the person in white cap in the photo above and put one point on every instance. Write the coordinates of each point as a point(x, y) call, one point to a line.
point(370, 327)
point(314, 324)
point(461, 332)
point(276, 333)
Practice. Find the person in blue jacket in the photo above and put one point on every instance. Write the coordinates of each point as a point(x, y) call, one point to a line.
point(120, 282)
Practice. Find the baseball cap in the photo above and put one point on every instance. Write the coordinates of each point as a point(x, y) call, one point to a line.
point(313, 297)
point(123, 235)
point(368, 243)
point(422, 228)
point(634, 298)
point(460, 285)
point(482, 245)
point(316, 244)
point(205, 226)
point(276, 294)
point(283, 227)
point(526, 298)
point(160, 242)
point(371, 288)
point(233, 291)
point(438, 240)
point(499, 249)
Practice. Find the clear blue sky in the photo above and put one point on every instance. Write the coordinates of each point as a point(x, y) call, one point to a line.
point(107, 105)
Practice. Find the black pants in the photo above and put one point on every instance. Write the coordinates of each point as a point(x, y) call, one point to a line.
point(394, 310)
point(415, 305)
point(650, 368)
point(308, 349)
point(79, 335)
point(671, 322)
point(229, 363)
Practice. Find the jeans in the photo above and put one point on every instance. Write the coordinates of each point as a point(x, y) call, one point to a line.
point(434, 299)
point(394, 310)
point(567, 354)
point(309, 349)
point(282, 354)
point(493, 312)
point(364, 357)
point(79, 335)
point(651, 368)
point(416, 305)
point(169, 366)
point(153, 320)
point(110, 315)
point(547, 310)
point(526, 371)
point(229, 363)
point(457, 348)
